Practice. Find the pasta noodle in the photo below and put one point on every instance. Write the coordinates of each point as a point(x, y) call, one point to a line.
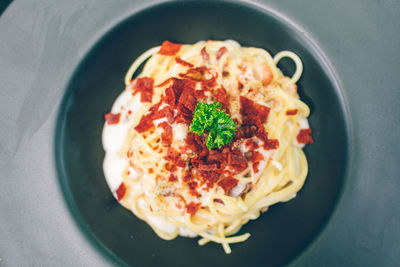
point(162, 172)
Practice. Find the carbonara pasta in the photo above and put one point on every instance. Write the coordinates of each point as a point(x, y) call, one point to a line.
point(167, 176)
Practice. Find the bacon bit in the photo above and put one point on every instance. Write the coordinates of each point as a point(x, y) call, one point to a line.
point(112, 118)
point(305, 137)
point(256, 157)
point(145, 124)
point(237, 161)
point(217, 200)
point(199, 94)
point(250, 144)
point(222, 97)
point(170, 98)
point(192, 208)
point(240, 85)
point(194, 142)
point(172, 178)
point(227, 184)
point(129, 112)
point(121, 191)
point(252, 109)
point(187, 99)
point(291, 112)
point(205, 55)
point(150, 170)
point(221, 52)
point(169, 49)
point(173, 156)
point(271, 144)
point(215, 156)
point(207, 167)
point(197, 74)
point(166, 136)
point(170, 167)
point(144, 85)
point(183, 62)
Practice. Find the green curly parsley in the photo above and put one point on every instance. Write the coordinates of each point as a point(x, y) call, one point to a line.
point(210, 118)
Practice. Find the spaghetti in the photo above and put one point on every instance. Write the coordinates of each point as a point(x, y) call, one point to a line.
point(165, 174)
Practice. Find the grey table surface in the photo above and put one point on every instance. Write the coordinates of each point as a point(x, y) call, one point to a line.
point(42, 41)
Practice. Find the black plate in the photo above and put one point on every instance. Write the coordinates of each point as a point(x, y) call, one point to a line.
point(278, 235)
point(45, 44)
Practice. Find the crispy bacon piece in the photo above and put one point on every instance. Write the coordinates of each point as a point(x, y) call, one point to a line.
point(194, 142)
point(144, 85)
point(208, 167)
point(252, 109)
point(192, 208)
point(170, 97)
point(228, 184)
point(256, 157)
point(121, 190)
point(183, 62)
point(222, 97)
point(215, 156)
point(198, 74)
point(187, 99)
point(172, 178)
point(291, 112)
point(166, 136)
point(305, 137)
point(169, 49)
point(173, 156)
point(205, 55)
point(217, 200)
point(271, 144)
point(221, 52)
point(112, 118)
point(237, 161)
point(250, 144)
point(145, 124)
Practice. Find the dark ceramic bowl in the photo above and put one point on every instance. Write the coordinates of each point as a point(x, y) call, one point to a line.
point(279, 235)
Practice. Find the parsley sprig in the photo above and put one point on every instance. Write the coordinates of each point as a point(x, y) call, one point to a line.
point(214, 120)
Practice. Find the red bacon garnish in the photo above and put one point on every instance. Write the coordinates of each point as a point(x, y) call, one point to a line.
point(221, 52)
point(121, 191)
point(305, 137)
point(172, 178)
point(252, 109)
point(291, 112)
point(228, 184)
point(205, 55)
point(112, 118)
point(144, 85)
point(237, 161)
point(256, 157)
point(173, 156)
point(166, 136)
point(169, 49)
point(222, 98)
point(192, 208)
point(198, 74)
point(183, 62)
point(251, 144)
point(187, 99)
point(145, 124)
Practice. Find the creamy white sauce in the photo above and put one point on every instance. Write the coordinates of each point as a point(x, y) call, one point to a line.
point(238, 189)
point(183, 231)
point(162, 224)
point(179, 131)
point(114, 137)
